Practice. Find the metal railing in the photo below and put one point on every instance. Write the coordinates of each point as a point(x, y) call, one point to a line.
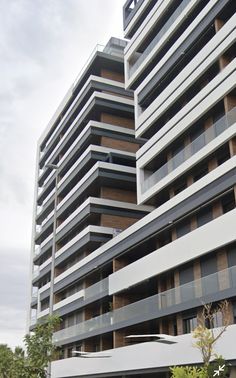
point(33, 320)
point(129, 10)
point(192, 148)
point(35, 273)
point(142, 56)
point(155, 305)
point(100, 287)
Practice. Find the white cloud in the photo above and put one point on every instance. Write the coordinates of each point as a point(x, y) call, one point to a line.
point(43, 45)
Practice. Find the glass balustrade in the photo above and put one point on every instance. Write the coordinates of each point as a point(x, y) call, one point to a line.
point(156, 304)
point(140, 57)
point(192, 148)
point(33, 320)
point(35, 273)
point(37, 251)
point(100, 287)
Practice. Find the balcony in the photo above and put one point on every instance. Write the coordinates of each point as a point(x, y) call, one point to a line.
point(94, 85)
point(191, 149)
point(129, 10)
point(35, 273)
point(213, 287)
point(140, 57)
point(99, 289)
point(33, 320)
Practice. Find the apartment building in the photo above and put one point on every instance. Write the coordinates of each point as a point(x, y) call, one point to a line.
point(85, 196)
point(180, 62)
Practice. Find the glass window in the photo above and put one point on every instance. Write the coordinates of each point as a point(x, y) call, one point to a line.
point(183, 228)
point(186, 278)
point(197, 138)
point(70, 352)
point(70, 320)
point(228, 202)
point(217, 320)
point(189, 324)
point(200, 172)
point(208, 268)
point(208, 265)
point(180, 187)
point(231, 255)
point(178, 156)
point(78, 347)
point(186, 275)
point(204, 216)
point(78, 317)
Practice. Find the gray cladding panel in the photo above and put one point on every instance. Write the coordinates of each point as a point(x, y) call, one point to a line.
point(190, 203)
point(155, 313)
point(178, 54)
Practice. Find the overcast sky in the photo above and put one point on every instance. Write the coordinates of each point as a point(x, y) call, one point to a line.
point(43, 45)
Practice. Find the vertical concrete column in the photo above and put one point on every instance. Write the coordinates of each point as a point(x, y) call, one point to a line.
point(169, 162)
point(164, 326)
point(119, 338)
point(197, 278)
point(188, 155)
point(106, 343)
point(171, 328)
point(177, 289)
point(179, 322)
point(222, 265)
point(209, 135)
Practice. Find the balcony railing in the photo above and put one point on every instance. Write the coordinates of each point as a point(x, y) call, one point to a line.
point(33, 320)
point(34, 296)
point(37, 250)
point(192, 148)
point(129, 10)
point(140, 57)
point(35, 273)
point(98, 289)
point(154, 306)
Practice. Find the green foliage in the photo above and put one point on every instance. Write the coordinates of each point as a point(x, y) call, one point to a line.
point(215, 366)
point(204, 342)
point(188, 372)
point(39, 346)
point(200, 372)
point(39, 352)
point(205, 339)
point(6, 361)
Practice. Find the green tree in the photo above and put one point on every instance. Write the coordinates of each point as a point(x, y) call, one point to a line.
point(188, 372)
point(6, 361)
point(40, 351)
point(207, 337)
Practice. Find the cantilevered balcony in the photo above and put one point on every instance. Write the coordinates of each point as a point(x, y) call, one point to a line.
point(97, 103)
point(82, 297)
point(99, 58)
point(90, 135)
point(193, 149)
point(214, 287)
point(140, 57)
point(130, 9)
point(100, 174)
